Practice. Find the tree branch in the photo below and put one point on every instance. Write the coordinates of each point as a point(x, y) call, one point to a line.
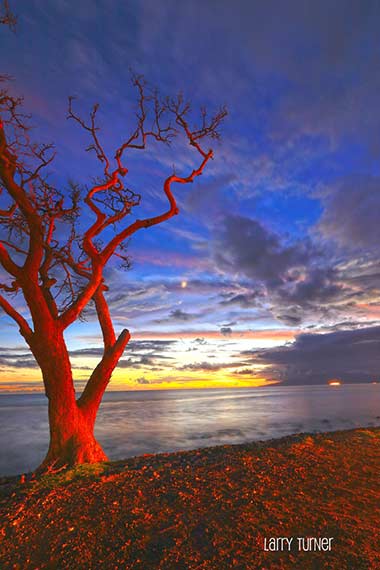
point(104, 317)
point(74, 310)
point(148, 222)
point(99, 379)
point(25, 329)
point(18, 194)
point(7, 262)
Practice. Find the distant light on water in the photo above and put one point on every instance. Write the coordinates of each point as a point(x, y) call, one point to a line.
point(334, 383)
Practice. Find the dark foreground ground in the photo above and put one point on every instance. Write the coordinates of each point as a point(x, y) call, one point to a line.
point(203, 510)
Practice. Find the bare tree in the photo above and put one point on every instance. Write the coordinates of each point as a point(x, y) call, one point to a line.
point(55, 258)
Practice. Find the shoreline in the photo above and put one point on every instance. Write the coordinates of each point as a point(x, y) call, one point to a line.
point(283, 439)
point(207, 508)
point(134, 423)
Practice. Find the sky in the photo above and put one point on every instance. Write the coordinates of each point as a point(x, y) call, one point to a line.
point(271, 272)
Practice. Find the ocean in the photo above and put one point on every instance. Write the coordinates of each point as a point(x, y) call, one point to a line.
point(139, 422)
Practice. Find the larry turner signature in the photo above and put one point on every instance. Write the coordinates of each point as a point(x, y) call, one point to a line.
point(300, 543)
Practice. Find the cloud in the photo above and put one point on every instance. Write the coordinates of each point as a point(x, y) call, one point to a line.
point(21, 387)
point(142, 380)
point(247, 372)
point(16, 357)
point(244, 246)
point(351, 355)
point(319, 285)
point(351, 212)
point(178, 316)
point(90, 352)
point(19, 363)
point(243, 300)
point(150, 345)
point(128, 363)
point(226, 331)
point(200, 341)
point(152, 354)
point(133, 347)
point(296, 281)
point(208, 201)
point(293, 277)
point(207, 366)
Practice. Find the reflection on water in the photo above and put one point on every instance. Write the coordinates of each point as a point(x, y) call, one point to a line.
point(133, 423)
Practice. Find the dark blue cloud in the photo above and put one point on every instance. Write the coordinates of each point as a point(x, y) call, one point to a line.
point(350, 355)
point(351, 212)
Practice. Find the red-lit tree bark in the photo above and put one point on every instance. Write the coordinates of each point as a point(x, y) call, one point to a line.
point(58, 267)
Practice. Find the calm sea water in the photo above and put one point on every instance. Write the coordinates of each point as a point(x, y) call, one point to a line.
point(133, 423)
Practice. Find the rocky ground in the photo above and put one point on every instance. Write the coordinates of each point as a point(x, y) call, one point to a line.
point(203, 510)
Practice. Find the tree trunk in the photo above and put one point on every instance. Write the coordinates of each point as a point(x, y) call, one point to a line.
point(72, 439)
